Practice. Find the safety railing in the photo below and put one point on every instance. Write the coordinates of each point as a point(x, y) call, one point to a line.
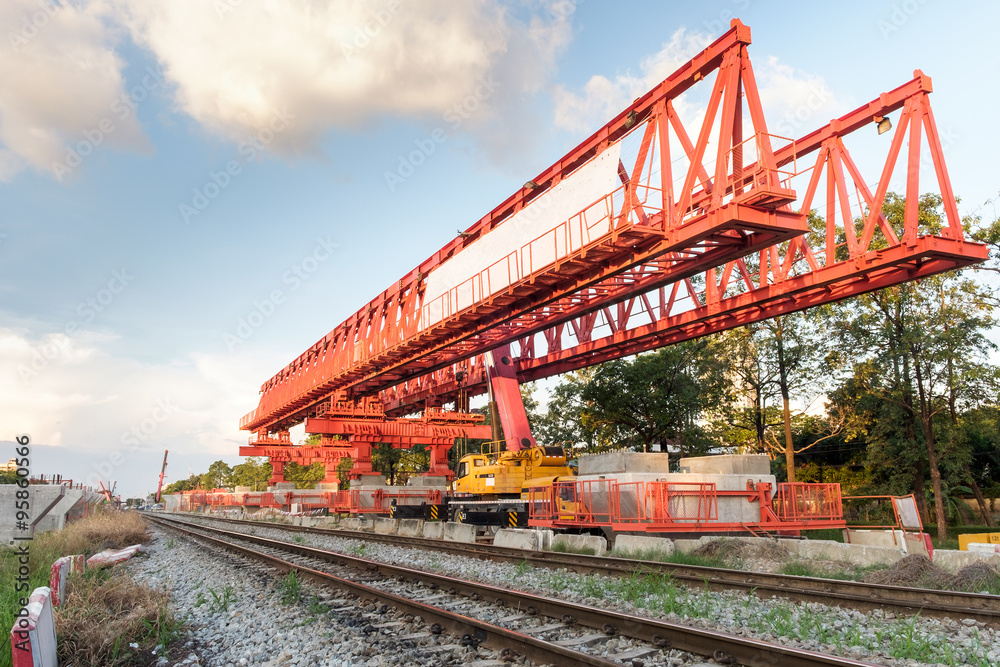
point(804, 502)
point(667, 502)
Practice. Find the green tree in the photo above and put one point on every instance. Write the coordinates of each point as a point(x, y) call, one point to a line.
point(657, 397)
point(189, 484)
point(305, 477)
point(253, 472)
point(398, 465)
point(563, 420)
point(920, 347)
point(219, 475)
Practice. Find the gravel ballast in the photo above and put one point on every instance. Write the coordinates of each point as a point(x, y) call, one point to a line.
point(279, 639)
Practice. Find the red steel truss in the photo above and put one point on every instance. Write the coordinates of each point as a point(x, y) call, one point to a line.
point(841, 261)
point(720, 210)
point(699, 237)
point(350, 428)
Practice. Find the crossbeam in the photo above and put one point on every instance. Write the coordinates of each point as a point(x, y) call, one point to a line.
point(570, 253)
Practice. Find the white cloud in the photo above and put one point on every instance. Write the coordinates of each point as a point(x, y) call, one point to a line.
point(603, 98)
point(234, 65)
point(337, 63)
point(794, 102)
point(119, 414)
point(60, 79)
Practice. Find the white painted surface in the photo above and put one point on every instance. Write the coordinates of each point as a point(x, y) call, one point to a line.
point(569, 216)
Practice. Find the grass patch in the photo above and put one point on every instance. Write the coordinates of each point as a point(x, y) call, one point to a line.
point(832, 534)
point(676, 558)
point(564, 548)
point(103, 530)
point(108, 619)
point(221, 602)
point(798, 568)
point(290, 588)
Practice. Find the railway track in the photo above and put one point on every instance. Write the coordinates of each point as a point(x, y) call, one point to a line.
point(542, 629)
point(899, 600)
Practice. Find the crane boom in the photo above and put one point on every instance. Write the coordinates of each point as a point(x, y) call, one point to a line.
point(163, 471)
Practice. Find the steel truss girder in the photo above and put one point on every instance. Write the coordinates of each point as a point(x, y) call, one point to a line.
point(712, 219)
point(792, 277)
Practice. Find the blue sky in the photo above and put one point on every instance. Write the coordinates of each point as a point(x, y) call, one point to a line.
point(257, 157)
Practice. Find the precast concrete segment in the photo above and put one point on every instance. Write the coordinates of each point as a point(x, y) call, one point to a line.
point(661, 634)
point(849, 594)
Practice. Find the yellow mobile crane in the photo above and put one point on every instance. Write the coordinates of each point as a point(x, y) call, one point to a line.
point(494, 474)
point(492, 486)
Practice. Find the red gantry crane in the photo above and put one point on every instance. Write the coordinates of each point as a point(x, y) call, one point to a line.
point(163, 471)
point(654, 230)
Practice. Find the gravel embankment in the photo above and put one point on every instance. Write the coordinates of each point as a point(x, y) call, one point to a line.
point(873, 637)
point(236, 616)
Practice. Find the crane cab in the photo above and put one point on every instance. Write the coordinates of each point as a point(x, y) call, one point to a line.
point(497, 473)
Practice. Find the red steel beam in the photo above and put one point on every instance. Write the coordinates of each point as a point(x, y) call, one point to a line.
point(791, 278)
point(707, 224)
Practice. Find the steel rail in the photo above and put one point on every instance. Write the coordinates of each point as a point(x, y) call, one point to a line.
point(661, 634)
point(852, 594)
point(494, 636)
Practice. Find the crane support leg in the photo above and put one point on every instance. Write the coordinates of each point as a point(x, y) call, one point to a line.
point(507, 394)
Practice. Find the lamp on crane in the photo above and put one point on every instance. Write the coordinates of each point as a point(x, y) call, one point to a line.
point(883, 124)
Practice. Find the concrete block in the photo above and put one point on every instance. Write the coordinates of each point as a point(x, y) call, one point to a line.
point(984, 548)
point(545, 538)
point(433, 530)
point(428, 481)
point(33, 644)
point(634, 544)
point(112, 557)
point(618, 462)
point(519, 538)
point(243, 489)
point(59, 574)
point(411, 528)
point(856, 554)
point(368, 481)
point(576, 543)
point(790, 545)
point(726, 464)
point(386, 526)
point(281, 486)
point(876, 538)
point(328, 486)
point(687, 545)
point(354, 523)
point(954, 560)
point(460, 532)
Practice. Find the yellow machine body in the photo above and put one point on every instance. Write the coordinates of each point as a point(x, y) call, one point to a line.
point(506, 473)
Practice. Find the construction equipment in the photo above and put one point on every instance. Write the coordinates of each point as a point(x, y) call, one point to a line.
point(596, 258)
point(163, 471)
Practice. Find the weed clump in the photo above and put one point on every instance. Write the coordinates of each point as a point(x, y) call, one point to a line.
point(917, 571)
point(109, 619)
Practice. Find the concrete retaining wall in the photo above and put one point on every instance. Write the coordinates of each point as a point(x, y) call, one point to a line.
point(633, 544)
point(460, 532)
point(856, 554)
point(433, 530)
point(49, 506)
point(576, 543)
point(518, 538)
point(953, 560)
point(411, 528)
point(386, 526)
